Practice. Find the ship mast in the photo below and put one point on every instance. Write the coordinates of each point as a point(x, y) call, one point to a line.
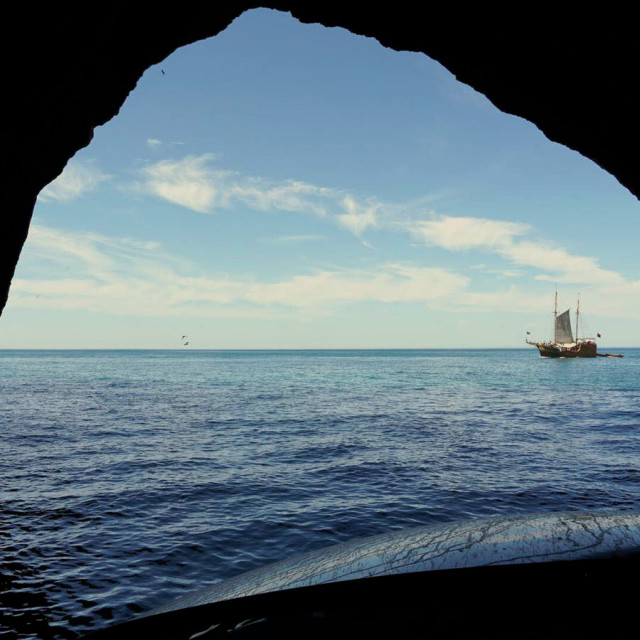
point(577, 317)
point(555, 315)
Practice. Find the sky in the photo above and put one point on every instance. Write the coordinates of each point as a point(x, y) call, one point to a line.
point(291, 186)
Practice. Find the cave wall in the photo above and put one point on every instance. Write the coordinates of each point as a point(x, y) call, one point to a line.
point(68, 71)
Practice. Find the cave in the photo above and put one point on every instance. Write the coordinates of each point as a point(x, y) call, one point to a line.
point(70, 72)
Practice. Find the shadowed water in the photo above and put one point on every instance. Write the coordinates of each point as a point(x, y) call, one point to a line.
point(129, 478)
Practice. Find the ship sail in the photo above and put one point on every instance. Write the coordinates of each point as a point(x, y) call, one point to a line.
point(563, 328)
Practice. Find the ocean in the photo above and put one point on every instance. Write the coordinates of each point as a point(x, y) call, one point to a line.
point(129, 478)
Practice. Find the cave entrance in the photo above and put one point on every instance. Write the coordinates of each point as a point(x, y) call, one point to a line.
point(288, 185)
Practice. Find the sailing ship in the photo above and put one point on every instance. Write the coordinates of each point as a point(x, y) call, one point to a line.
point(564, 345)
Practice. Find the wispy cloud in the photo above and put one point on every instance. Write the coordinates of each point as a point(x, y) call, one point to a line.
point(358, 218)
point(505, 239)
point(117, 273)
point(388, 283)
point(77, 179)
point(95, 254)
point(157, 145)
point(462, 233)
point(564, 266)
point(125, 276)
point(188, 183)
point(196, 185)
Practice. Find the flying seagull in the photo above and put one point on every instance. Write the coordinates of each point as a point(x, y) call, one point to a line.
point(186, 343)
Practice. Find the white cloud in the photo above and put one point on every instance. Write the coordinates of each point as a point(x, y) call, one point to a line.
point(66, 249)
point(503, 238)
point(158, 146)
point(95, 254)
point(390, 283)
point(194, 184)
point(77, 179)
point(129, 277)
point(119, 273)
point(564, 266)
point(188, 183)
point(357, 218)
point(461, 233)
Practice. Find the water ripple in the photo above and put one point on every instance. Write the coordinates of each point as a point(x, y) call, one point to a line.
point(130, 478)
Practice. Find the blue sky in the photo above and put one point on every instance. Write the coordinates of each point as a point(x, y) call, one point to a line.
point(290, 186)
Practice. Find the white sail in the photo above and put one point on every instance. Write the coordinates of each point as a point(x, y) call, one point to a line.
point(563, 328)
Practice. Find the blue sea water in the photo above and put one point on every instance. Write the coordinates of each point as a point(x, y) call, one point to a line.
point(129, 478)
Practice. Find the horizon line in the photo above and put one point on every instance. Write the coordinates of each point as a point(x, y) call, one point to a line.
point(281, 348)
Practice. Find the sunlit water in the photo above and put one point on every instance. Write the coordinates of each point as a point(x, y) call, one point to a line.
point(128, 478)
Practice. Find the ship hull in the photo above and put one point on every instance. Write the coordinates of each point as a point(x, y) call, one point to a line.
point(581, 350)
